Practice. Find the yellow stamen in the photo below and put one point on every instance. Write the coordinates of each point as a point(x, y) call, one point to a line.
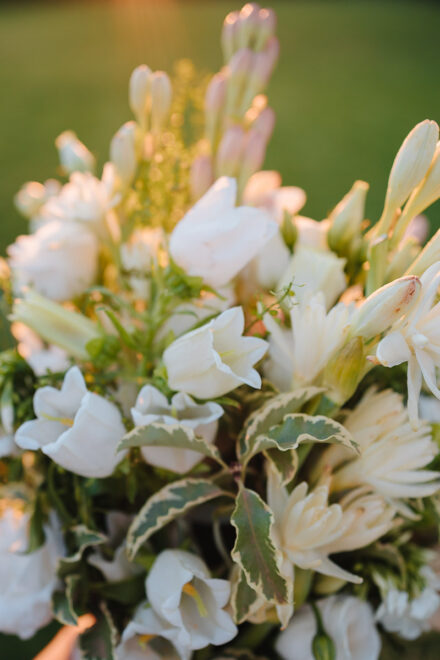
point(62, 420)
point(191, 591)
point(144, 639)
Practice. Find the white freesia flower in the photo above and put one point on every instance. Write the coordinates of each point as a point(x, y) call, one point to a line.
point(297, 356)
point(392, 453)
point(40, 358)
point(347, 620)
point(149, 637)
point(60, 260)
point(73, 154)
point(27, 580)
point(138, 255)
point(216, 239)
point(214, 359)
point(312, 271)
point(77, 429)
point(416, 339)
point(306, 525)
point(182, 592)
point(409, 617)
point(119, 567)
point(152, 406)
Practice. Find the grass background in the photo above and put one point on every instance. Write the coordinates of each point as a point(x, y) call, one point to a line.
point(354, 78)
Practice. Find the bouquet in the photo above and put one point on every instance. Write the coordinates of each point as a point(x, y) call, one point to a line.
point(220, 419)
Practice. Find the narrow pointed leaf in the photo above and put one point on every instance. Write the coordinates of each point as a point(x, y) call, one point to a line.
point(255, 551)
point(171, 501)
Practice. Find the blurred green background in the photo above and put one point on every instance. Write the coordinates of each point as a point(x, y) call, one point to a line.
point(353, 79)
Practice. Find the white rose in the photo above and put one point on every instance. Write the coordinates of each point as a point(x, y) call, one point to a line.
point(216, 239)
point(152, 406)
point(214, 359)
point(60, 260)
point(27, 580)
point(347, 620)
point(77, 429)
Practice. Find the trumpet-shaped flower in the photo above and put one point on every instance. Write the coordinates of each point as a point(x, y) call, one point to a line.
point(297, 356)
point(39, 357)
point(182, 593)
point(152, 406)
point(149, 637)
point(27, 579)
point(77, 429)
point(215, 239)
point(415, 339)
point(392, 452)
point(347, 620)
point(214, 359)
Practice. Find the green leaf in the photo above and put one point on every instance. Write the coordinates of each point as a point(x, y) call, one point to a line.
point(128, 592)
point(82, 538)
point(285, 462)
point(272, 413)
point(170, 435)
point(62, 602)
point(255, 551)
point(243, 599)
point(164, 506)
point(299, 428)
point(99, 641)
point(36, 525)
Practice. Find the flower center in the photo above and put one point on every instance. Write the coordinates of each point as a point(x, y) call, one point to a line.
point(190, 590)
point(62, 420)
point(144, 639)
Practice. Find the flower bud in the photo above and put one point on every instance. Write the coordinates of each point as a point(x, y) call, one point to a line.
point(139, 89)
point(253, 156)
point(30, 198)
point(410, 166)
point(347, 216)
point(325, 585)
point(214, 103)
point(201, 176)
point(239, 69)
point(229, 35)
point(73, 154)
point(161, 95)
point(267, 23)
point(345, 370)
point(262, 67)
point(323, 647)
point(230, 151)
point(428, 256)
point(247, 24)
point(265, 123)
point(55, 324)
point(124, 152)
point(384, 307)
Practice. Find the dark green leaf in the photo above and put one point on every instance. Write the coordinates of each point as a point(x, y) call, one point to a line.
point(82, 538)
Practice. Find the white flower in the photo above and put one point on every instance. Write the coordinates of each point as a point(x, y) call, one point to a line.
point(119, 567)
point(347, 620)
point(416, 339)
point(138, 255)
point(313, 270)
point(33, 195)
point(73, 154)
point(181, 591)
point(214, 359)
point(40, 358)
point(27, 580)
point(148, 637)
point(398, 613)
point(215, 239)
point(78, 429)
point(311, 233)
point(152, 406)
point(60, 260)
point(7, 444)
point(264, 190)
point(429, 409)
point(297, 356)
point(306, 525)
point(392, 453)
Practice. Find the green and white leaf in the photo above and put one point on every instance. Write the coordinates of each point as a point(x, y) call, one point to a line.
point(63, 602)
point(99, 641)
point(286, 463)
point(82, 538)
point(164, 506)
point(244, 600)
point(170, 435)
point(255, 550)
point(272, 413)
point(299, 428)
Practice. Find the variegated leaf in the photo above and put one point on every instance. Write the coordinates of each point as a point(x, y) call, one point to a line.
point(62, 602)
point(170, 435)
point(286, 463)
point(83, 538)
point(272, 413)
point(99, 641)
point(255, 550)
point(165, 505)
point(244, 600)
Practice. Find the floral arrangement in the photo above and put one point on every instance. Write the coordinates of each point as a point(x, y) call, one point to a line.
point(220, 419)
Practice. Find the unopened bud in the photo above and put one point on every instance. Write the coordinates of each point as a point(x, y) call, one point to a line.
point(239, 70)
point(161, 95)
point(124, 151)
point(73, 154)
point(345, 370)
point(139, 89)
point(347, 216)
point(262, 67)
point(214, 104)
point(410, 166)
point(230, 151)
point(247, 24)
point(30, 198)
point(325, 585)
point(267, 23)
point(428, 256)
point(289, 230)
point(385, 306)
point(402, 259)
point(323, 647)
point(201, 176)
point(253, 156)
point(229, 37)
point(265, 123)
point(302, 585)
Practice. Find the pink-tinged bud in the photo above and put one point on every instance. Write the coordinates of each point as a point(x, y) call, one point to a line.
point(214, 102)
point(267, 24)
point(265, 123)
point(248, 24)
point(139, 89)
point(240, 68)
point(253, 156)
point(230, 151)
point(229, 35)
point(161, 95)
point(201, 176)
point(124, 151)
point(262, 67)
